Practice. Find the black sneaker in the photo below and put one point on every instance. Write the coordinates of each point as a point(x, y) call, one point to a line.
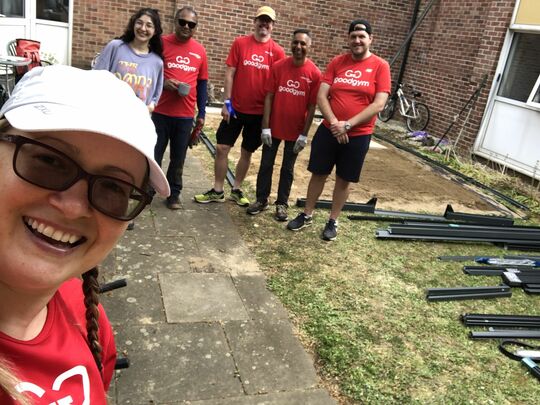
point(330, 230)
point(173, 203)
point(256, 207)
point(301, 221)
point(281, 213)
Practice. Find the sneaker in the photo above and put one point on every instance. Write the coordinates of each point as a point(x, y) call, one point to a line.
point(238, 197)
point(257, 207)
point(330, 230)
point(173, 203)
point(210, 196)
point(301, 221)
point(281, 213)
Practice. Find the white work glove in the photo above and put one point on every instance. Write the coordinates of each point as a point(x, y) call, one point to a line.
point(300, 143)
point(266, 137)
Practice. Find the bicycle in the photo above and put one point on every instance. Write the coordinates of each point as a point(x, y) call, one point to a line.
point(416, 114)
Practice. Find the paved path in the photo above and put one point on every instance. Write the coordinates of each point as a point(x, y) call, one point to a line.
point(196, 320)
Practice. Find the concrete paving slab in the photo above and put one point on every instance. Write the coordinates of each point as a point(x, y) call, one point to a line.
point(259, 302)
point(201, 298)
point(269, 357)
point(174, 363)
point(217, 237)
point(312, 397)
point(141, 256)
point(231, 341)
point(139, 302)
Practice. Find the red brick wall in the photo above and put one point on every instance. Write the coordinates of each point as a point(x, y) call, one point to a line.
point(456, 44)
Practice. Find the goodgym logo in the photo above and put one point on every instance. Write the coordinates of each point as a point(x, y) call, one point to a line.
point(293, 84)
point(257, 61)
point(351, 77)
point(182, 60)
point(257, 58)
point(182, 63)
point(356, 74)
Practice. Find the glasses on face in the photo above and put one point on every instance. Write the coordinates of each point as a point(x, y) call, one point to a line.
point(183, 23)
point(141, 23)
point(47, 167)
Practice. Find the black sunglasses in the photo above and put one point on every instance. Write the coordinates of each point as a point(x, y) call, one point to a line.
point(47, 167)
point(190, 24)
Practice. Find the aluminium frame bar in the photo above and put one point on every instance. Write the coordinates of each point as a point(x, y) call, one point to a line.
point(399, 229)
point(523, 228)
point(450, 214)
point(452, 297)
point(361, 207)
point(385, 234)
point(467, 290)
point(505, 334)
point(512, 317)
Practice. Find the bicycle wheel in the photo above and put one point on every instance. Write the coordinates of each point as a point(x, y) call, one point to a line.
point(388, 110)
point(422, 118)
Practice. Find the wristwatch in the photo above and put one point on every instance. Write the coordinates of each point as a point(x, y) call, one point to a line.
point(347, 126)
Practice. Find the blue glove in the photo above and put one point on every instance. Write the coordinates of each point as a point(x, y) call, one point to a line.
point(266, 137)
point(230, 108)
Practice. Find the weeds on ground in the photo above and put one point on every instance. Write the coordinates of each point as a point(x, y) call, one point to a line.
point(526, 192)
point(359, 305)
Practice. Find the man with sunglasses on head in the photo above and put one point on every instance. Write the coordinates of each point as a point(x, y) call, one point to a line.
point(185, 83)
point(249, 66)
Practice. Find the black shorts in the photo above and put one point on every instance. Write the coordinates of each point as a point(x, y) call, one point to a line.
point(327, 152)
point(250, 126)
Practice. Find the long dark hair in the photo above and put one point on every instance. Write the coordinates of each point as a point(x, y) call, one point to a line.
point(155, 44)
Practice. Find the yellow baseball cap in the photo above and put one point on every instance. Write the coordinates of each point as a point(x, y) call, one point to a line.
point(268, 11)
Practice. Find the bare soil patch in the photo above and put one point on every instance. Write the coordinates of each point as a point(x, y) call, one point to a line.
point(400, 181)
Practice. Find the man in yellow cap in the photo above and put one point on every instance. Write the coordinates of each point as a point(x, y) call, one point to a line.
point(249, 65)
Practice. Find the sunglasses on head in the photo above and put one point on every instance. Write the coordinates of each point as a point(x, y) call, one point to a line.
point(183, 23)
point(46, 167)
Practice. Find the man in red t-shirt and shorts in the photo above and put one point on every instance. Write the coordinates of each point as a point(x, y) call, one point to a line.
point(354, 89)
point(289, 107)
point(249, 65)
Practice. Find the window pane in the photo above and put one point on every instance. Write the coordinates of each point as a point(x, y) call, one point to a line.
point(522, 67)
point(52, 10)
point(12, 8)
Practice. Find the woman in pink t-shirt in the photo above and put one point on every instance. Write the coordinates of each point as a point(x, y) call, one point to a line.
point(66, 199)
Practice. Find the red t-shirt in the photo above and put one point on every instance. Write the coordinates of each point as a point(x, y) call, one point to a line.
point(294, 88)
point(353, 85)
point(57, 364)
point(253, 61)
point(187, 62)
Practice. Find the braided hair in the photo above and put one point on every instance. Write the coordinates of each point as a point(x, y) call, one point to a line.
point(90, 288)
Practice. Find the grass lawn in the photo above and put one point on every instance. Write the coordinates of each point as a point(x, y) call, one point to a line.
point(359, 306)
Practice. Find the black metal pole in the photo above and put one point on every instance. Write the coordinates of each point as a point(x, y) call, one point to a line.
point(412, 31)
point(407, 47)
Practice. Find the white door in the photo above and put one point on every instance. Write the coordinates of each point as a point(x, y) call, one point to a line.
point(47, 21)
point(510, 133)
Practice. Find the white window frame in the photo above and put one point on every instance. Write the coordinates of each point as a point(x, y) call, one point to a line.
point(535, 90)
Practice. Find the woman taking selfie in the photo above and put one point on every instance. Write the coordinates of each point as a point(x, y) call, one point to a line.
point(75, 170)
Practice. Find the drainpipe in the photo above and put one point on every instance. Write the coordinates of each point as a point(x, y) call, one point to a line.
point(406, 51)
